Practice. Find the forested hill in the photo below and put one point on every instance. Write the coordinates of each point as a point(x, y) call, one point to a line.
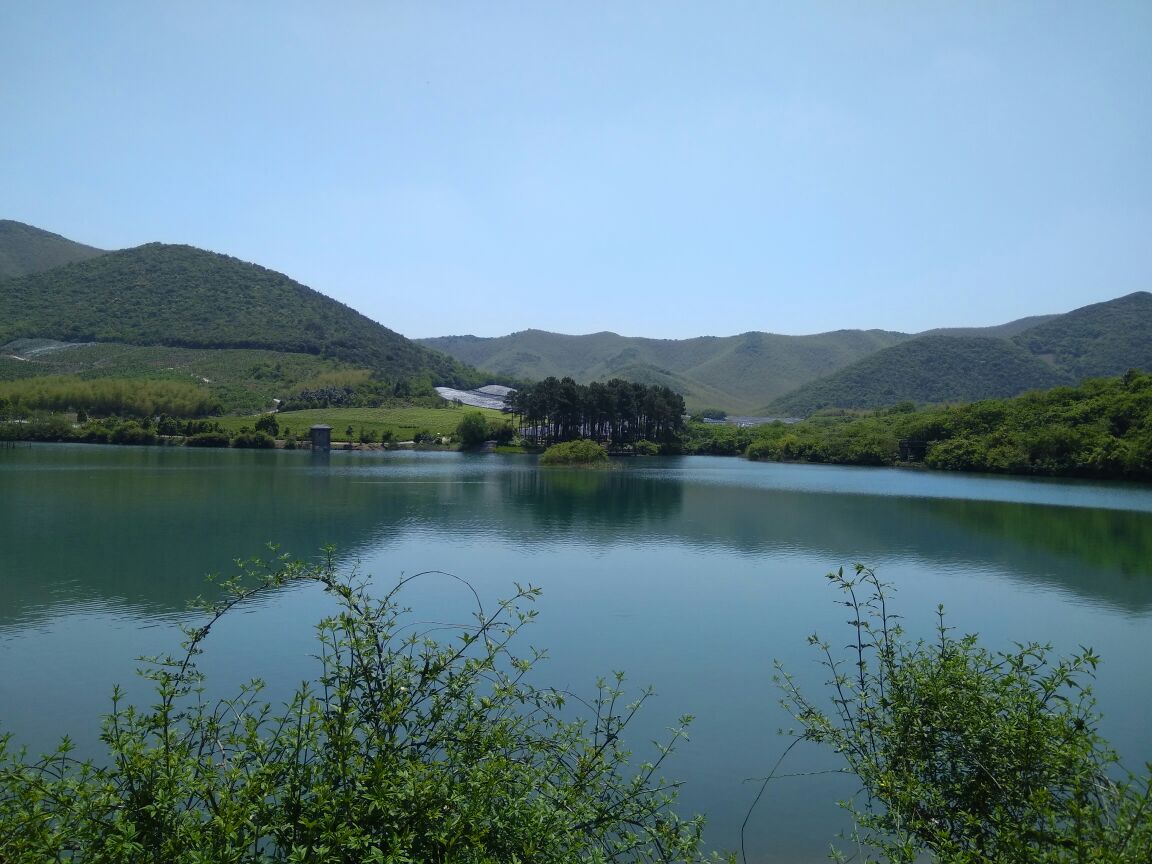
point(25, 249)
point(160, 294)
point(735, 373)
point(1000, 331)
point(1096, 341)
point(927, 369)
point(1104, 339)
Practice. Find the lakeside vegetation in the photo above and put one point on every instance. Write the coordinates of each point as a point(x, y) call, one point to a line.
point(968, 755)
point(357, 425)
point(411, 744)
point(579, 452)
point(1102, 429)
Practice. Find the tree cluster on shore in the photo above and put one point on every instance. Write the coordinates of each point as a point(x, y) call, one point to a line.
point(616, 412)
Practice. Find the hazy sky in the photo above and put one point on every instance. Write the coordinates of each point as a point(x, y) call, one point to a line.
point(653, 168)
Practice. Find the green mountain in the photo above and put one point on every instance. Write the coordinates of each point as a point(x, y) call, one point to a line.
point(1000, 331)
point(160, 294)
point(931, 368)
point(24, 249)
point(1096, 341)
point(1100, 340)
point(735, 373)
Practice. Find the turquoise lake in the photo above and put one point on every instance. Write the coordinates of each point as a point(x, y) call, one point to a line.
point(690, 574)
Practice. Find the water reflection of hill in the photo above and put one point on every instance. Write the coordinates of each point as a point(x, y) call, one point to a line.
point(1101, 555)
point(142, 527)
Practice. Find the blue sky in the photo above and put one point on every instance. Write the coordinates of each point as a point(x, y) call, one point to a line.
point(658, 169)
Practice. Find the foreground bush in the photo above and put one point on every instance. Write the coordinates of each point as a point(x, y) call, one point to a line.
point(969, 755)
point(582, 452)
point(403, 749)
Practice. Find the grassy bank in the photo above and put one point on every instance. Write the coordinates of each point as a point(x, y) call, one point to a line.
point(402, 423)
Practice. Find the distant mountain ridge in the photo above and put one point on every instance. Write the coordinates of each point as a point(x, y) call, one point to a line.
point(931, 368)
point(764, 373)
point(25, 249)
point(736, 373)
point(1100, 340)
point(1001, 331)
point(1093, 341)
point(171, 295)
point(163, 294)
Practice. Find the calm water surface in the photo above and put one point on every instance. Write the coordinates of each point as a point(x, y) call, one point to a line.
point(691, 574)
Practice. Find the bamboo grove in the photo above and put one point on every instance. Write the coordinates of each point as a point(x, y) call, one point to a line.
point(617, 412)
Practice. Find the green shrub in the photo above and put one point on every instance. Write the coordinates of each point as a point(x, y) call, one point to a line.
point(472, 430)
point(645, 448)
point(131, 432)
point(763, 449)
point(969, 755)
point(268, 424)
point(208, 439)
point(501, 433)
point(403, 749)
point(43, 427)
point(253, 440)
point(581, 452)
point(195, 427)
point(716, 440)
point(94, 432)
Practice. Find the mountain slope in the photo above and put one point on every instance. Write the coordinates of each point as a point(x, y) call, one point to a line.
point(736, 373)
point(962, 364)
point(1096, 341)
point(932, 368)
point(1000, 331)
point(160, 294)
point(25, 249)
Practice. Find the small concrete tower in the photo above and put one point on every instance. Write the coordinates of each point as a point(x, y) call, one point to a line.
point(321, 435)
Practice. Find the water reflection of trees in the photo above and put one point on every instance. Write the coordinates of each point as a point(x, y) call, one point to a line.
point(1102, 555)
point(141, 530)
point(603, 504)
